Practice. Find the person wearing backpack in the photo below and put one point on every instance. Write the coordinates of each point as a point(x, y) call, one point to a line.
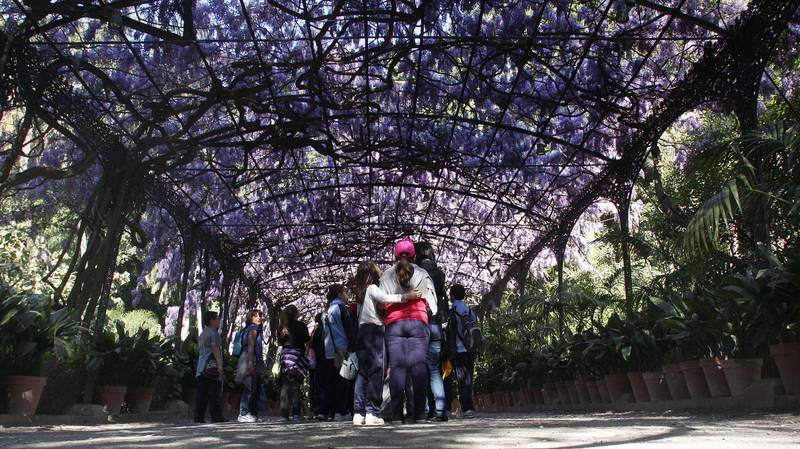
point(253, 368)
point(339, 337)
point(292, 336)
point(435, 405)
point(464, 338)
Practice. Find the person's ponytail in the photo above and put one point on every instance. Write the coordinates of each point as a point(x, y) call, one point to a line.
point(404, 270)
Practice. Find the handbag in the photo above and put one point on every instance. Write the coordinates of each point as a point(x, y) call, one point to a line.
point(211, 371)
point(349, 369)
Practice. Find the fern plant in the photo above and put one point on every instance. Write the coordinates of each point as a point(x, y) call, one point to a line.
point(765, 179)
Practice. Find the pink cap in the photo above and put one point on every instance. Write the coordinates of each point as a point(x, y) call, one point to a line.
point(404, 246)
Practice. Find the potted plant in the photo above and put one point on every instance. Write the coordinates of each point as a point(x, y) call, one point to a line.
point(109, 360)
point(638, 349)
point(780, 307)
point(746, 329)
point(604, 349)
point(694, 330)
point(146, 360)
point(188, 363)
point(30, 333)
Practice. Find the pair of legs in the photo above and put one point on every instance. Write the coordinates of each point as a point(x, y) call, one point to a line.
point(317, 386)
point(369, 383)
point(290, 396)
point(208, 397)
point(334, 390)
point(464, 368)
point(435, 406)
point(251, 392)
point(407, 345)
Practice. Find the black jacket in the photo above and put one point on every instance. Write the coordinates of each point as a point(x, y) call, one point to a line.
point(437, 275)
point(298, 335)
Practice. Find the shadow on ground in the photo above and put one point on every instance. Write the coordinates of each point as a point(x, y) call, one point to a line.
point(525, 431)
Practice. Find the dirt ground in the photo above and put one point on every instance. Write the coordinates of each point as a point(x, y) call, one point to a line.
point(678, 430)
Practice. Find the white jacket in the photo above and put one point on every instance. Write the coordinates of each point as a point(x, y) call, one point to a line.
point(419, 280)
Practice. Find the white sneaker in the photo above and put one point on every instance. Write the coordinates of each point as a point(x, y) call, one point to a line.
point(358, 419)
point(372, 420)
point(247, 418)
point(340, 417)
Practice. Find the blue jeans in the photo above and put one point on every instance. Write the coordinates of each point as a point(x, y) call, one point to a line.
point(252, 395)
point(436, 397)
point(407, 345)
point(369, 383)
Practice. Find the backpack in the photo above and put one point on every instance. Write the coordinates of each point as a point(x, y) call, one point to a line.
point(347, 323)
point(471, 333)
point(237, 343)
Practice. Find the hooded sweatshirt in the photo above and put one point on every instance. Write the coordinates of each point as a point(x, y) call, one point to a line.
point(415, 309)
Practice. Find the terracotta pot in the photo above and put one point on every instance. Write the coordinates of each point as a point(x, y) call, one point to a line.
point(695, 379)
point(618, 386)
point(676, 382)
point(787, 357)
point(573, 392)
point(741, 373)
point(656, 385)
point(139, 398)
point(190, 396)
point(594, 392)
point(110, 398)
point(23, 393)
point(603, 388)
point(712, 369)
point(583, 392)
point(563, 394)
point(638, 386)
point(550, 393)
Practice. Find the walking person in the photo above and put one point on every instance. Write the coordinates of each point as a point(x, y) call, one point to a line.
point(370, 344)
point(253, 366)
point(292, 336)
point(339, 333)
point(435, 404)
point(464, 356)
point(209, 371)
point(407, 332)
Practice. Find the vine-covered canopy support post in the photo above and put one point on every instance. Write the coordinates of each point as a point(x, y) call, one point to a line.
point(620, 194)
point(559, 248)
point(188, 237)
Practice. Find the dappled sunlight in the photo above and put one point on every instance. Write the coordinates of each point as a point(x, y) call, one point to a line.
point(535, 431)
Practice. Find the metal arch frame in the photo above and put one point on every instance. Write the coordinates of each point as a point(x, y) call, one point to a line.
point(737, 72)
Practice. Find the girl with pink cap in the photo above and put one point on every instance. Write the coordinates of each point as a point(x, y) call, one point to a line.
point(407, 331)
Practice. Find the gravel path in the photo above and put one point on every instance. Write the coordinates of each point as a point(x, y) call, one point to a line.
point(678, 430)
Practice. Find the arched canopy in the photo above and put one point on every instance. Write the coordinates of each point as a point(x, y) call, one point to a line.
point(296, 138)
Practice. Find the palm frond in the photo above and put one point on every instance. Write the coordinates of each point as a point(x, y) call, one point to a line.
point(703, 231)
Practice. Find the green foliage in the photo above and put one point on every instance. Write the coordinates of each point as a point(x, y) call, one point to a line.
point(31, 332)
point(31, 247)
point(763, 187)
point(123, 358)
point(136, 319)
point(691, 327)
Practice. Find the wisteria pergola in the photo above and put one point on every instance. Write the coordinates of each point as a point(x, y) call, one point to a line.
point(272, 145)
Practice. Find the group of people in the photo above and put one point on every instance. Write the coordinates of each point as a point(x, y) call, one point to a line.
point(378, 357)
